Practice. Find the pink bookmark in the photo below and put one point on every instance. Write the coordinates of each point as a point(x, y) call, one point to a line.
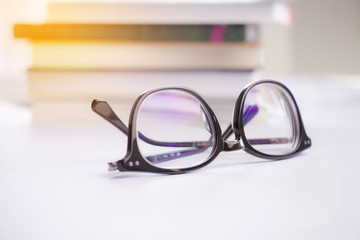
point(217, 33)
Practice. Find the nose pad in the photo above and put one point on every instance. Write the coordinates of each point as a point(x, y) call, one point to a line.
point(232, 145)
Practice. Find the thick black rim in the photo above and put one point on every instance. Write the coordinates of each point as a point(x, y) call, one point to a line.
point(135, 161)
point(303, 141)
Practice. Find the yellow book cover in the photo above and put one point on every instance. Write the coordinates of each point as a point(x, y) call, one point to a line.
point(72, 54)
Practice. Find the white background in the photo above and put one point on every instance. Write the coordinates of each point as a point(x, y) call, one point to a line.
point(54, 183)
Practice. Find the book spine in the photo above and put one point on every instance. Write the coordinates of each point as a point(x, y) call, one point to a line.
point(68, 85)
point(147, 55)
point(213, 33)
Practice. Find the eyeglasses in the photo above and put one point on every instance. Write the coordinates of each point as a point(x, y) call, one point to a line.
point(173, 130)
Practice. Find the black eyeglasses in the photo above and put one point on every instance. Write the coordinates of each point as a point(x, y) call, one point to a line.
point(173, 130)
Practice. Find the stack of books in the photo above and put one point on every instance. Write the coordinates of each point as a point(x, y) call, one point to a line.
point(117, 50)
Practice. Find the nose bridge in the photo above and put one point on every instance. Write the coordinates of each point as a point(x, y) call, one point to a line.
point(232, 146)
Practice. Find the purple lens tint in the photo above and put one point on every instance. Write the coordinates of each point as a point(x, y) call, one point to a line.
point(250, 113)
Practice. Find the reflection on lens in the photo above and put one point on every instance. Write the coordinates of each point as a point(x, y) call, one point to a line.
point(174, 130)
point(270, 120)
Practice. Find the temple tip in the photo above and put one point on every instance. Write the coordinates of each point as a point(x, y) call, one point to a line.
point(95, 102)
point(112, 166)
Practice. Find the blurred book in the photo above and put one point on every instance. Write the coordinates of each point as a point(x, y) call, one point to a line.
point(117, 50)
point(87, 84)
point(139, 32)
point(160, 12)
point(62, 54)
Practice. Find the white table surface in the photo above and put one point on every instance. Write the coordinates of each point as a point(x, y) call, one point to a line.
point(54, 182)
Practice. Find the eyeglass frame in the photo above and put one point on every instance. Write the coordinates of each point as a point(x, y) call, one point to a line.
point(135, 161)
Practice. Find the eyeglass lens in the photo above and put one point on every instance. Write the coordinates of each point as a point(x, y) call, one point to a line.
point(274, 129)
point(174, 130)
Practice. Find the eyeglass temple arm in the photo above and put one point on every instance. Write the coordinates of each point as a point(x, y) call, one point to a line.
point(103, 109)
